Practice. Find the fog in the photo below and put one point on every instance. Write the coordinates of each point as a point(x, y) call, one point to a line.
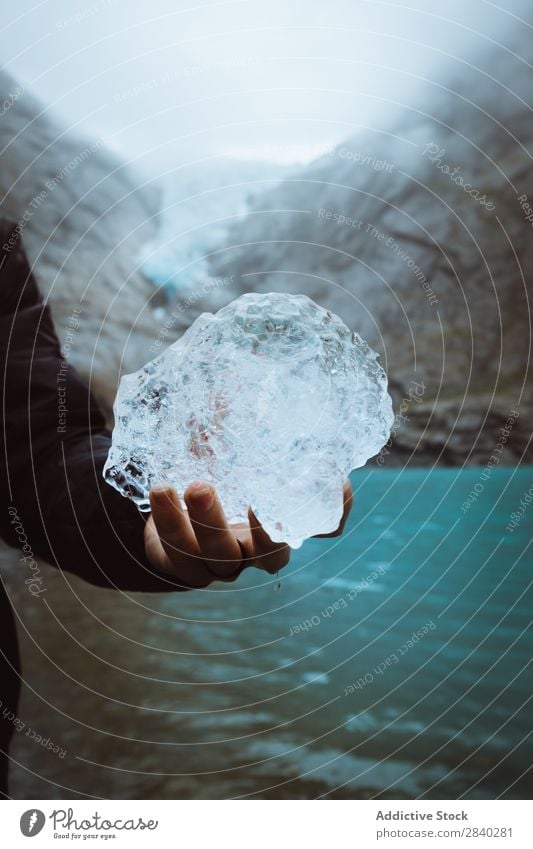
point(167, 82)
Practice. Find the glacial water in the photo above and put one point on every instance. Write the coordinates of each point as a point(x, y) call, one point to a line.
point(393, 662)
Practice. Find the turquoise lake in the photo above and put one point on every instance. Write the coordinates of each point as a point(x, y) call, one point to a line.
point(318, 689)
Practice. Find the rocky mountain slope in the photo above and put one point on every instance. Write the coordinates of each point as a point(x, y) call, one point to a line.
point(418, 236)
point(82, 216)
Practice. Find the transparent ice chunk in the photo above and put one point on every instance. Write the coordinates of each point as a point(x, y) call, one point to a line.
point(273, 400)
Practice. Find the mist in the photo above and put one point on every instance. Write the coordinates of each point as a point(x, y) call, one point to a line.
point(169, 82)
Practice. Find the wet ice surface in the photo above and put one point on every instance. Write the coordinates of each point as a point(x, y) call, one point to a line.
point(273, 400)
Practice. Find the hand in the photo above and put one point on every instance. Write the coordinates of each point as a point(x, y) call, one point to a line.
point(199, 547)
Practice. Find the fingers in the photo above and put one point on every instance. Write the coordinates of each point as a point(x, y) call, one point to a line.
point(348, 499)
point(218, 546)
point(172, 524)
point(205, 535)
point(169, 540)
point(268, 555)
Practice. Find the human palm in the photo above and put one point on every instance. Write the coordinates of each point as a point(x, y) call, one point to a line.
point(197, 546)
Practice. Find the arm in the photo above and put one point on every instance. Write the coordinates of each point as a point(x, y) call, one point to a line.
point(51, 472)
point(50, 468)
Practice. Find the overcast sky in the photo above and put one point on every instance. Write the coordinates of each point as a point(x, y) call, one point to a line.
point(274, 79)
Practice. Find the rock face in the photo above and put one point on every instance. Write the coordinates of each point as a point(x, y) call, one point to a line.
point(81, 216)
point(271, 388)
point(421, 237)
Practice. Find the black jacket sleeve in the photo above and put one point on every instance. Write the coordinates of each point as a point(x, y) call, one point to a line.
point(54, 445)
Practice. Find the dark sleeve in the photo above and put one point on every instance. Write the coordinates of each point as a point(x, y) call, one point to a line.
point(54, 445)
